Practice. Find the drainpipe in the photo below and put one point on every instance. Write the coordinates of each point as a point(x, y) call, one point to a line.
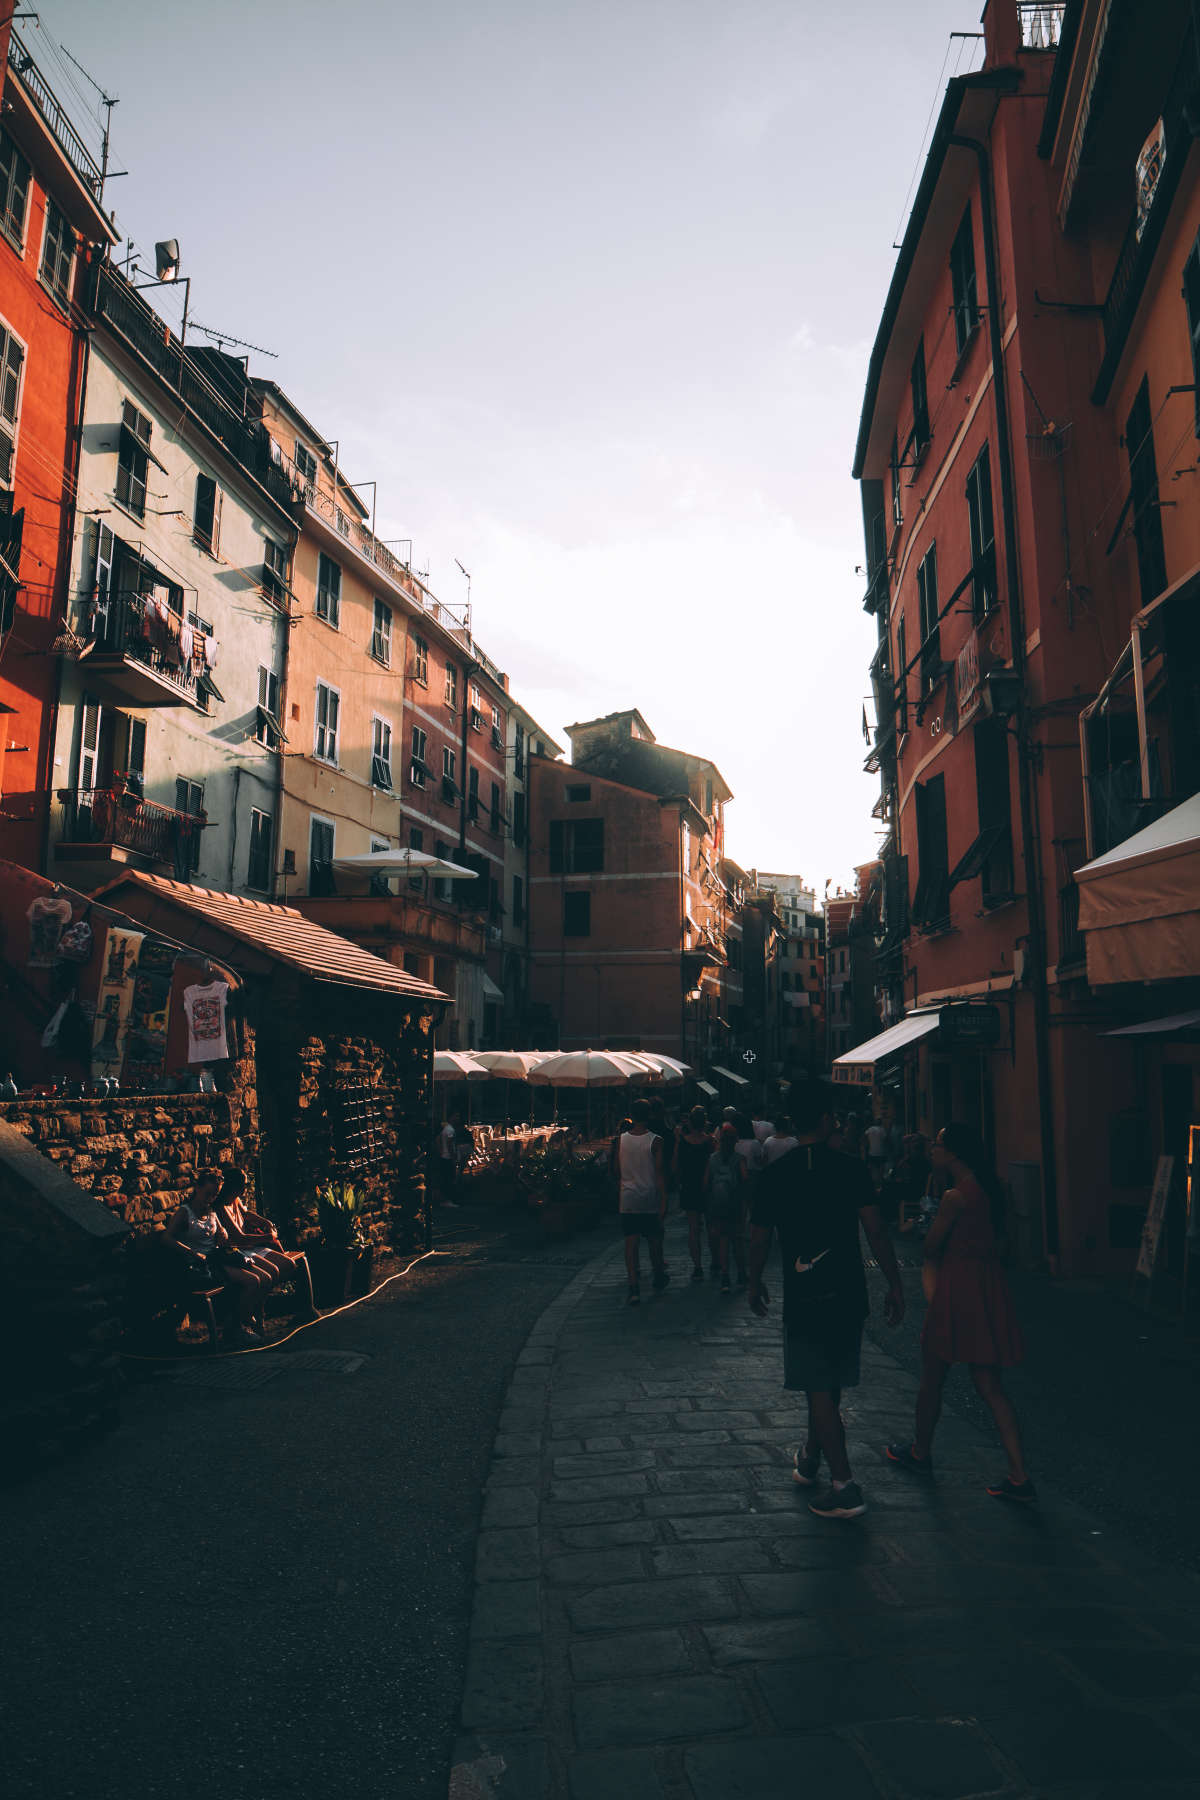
point(1036, 943)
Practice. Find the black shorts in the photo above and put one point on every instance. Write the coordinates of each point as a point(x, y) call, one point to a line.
point(648, 1225)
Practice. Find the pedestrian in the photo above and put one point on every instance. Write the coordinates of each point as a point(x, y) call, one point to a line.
point(725, 1181)
point(780, 1142)
point(875, 1147)
point(693, 1147)
point(749, 1148)
point(761, 1126)
point(817, 1199)
point(643, 1198)
point(970, 1318)
point(446, 1160)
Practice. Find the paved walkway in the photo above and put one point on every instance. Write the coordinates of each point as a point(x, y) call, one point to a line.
point(658, 1616)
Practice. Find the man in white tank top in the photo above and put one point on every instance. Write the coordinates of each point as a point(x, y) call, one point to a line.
point(643, 1201)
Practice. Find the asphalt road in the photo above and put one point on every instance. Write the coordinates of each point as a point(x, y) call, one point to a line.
point(262, 1587)
point(1107, 1397)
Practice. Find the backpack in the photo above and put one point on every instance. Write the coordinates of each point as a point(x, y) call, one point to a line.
point(724, 1186)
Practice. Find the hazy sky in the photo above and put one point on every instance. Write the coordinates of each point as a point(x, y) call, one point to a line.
point(588, 288)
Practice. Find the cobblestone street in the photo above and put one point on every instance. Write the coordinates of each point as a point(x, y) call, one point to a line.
point(658, 1614)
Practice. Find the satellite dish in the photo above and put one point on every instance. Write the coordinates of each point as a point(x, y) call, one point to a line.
point(166, 259)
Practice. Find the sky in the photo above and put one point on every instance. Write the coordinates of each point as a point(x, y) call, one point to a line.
point(588, 288)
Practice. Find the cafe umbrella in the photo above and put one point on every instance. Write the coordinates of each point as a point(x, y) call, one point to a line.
point(589, 1069)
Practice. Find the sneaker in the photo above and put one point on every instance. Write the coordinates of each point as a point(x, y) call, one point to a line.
point(839, 1503)
point(905, 1457)
point(805, 1469)
point(1023, 1492)
point(697, 1273)
point(661, 1279)
point(635, 1297)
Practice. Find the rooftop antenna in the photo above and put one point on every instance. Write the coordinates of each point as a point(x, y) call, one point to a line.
point(107, 101)
point(227, 337)
point(463, 571)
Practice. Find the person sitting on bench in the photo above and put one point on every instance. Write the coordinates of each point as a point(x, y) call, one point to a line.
point(257, 1237)
point(198, 1234)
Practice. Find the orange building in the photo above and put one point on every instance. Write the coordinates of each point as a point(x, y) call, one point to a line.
point(51, 221)
point(629, 913)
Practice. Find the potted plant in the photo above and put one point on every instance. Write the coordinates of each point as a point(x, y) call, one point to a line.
point(341, 1262)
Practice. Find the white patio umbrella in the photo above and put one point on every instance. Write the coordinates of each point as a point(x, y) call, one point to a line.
point(457, 1065)
point(672, 1069)
point(403, 862)
point(588, 1069)
point(510, 1065)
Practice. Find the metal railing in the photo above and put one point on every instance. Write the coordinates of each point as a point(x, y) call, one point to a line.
point(125, 625)
point(47, 102)
point(1041, 24)
point(119, 816)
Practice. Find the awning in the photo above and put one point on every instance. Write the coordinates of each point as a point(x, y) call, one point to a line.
point(1185, 1021)
point(491, 991)
point(729, 1075)
point(706, 1087)
point(1140, 903)
point(859, 1064)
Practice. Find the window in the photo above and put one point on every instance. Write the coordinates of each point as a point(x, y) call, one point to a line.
point(983, 536)
point(472, 793)
point(576, 846)
point(497, 730)
point(518, 819)
point(1143, 497)
point(931, 905)
point(135, 746)
point(497, 819)
point(381, 635)
point(378, 884)
point(133, 459)
point(449, 764)
point(441, 886)
point(450, 688)
point(920, 399)
point(381, 754)
point(962, 282)
point(189, 800)
point(994, 799)
point(258, 862)
point(329, 591)
point(901, 678)
point(325, 745)
point(206, 522)
point(58, 254)
point(1191, 299)
point(476, 705)
point(577, 915)
point(14, 191)
point(306, 463)
point(576, 793)
point(518, 750)
point(518, 901)
point(274, 576)
point(420, 668)
point(931, 635)
point(417, 768)
point(416, 841)
point(267, 729)
point(897, 499)
point(12, 361)
point(320, 857)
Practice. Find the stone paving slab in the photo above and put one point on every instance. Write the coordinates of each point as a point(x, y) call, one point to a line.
point(658, 1613)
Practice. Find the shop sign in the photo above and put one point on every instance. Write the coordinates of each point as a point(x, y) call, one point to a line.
point(967, 679)
point(857, 1074)
point(969, 1026)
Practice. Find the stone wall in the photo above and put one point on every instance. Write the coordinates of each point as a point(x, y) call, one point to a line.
point(139, 1153)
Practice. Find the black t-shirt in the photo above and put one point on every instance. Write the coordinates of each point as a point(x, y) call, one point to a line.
point(813, 1196)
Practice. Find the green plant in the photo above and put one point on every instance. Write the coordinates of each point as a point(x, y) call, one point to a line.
point(339, 1215)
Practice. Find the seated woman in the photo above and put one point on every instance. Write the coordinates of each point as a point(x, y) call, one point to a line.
point(258, 1239)
point(197, 1233)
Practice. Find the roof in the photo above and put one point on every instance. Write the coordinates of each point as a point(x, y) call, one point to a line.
point(278, 932)
point(968, 109)
point(654, 768)
point(624, 712)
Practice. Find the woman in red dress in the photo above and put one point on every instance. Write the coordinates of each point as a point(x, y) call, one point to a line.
point(970, 1318)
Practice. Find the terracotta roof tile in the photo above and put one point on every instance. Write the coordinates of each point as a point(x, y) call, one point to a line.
point(285, 934)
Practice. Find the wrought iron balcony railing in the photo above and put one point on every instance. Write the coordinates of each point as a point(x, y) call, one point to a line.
point(47, 102)
point(122, 817)
point(126, 624)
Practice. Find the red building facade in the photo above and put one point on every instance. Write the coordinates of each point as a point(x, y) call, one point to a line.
point(51, 221)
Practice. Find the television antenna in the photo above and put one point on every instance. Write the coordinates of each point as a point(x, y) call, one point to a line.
point(227, 337)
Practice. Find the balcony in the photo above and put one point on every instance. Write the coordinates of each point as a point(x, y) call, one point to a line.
point(47, 103)
point(140, 658)
point(1041, 23)
point(114, 825)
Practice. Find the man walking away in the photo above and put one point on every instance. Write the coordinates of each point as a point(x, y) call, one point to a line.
point(816, 1199)
point(780, 1142)
point(447, 1159)
point(643, 1199)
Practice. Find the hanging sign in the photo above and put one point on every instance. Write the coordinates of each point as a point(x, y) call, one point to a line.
point(967, 673)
